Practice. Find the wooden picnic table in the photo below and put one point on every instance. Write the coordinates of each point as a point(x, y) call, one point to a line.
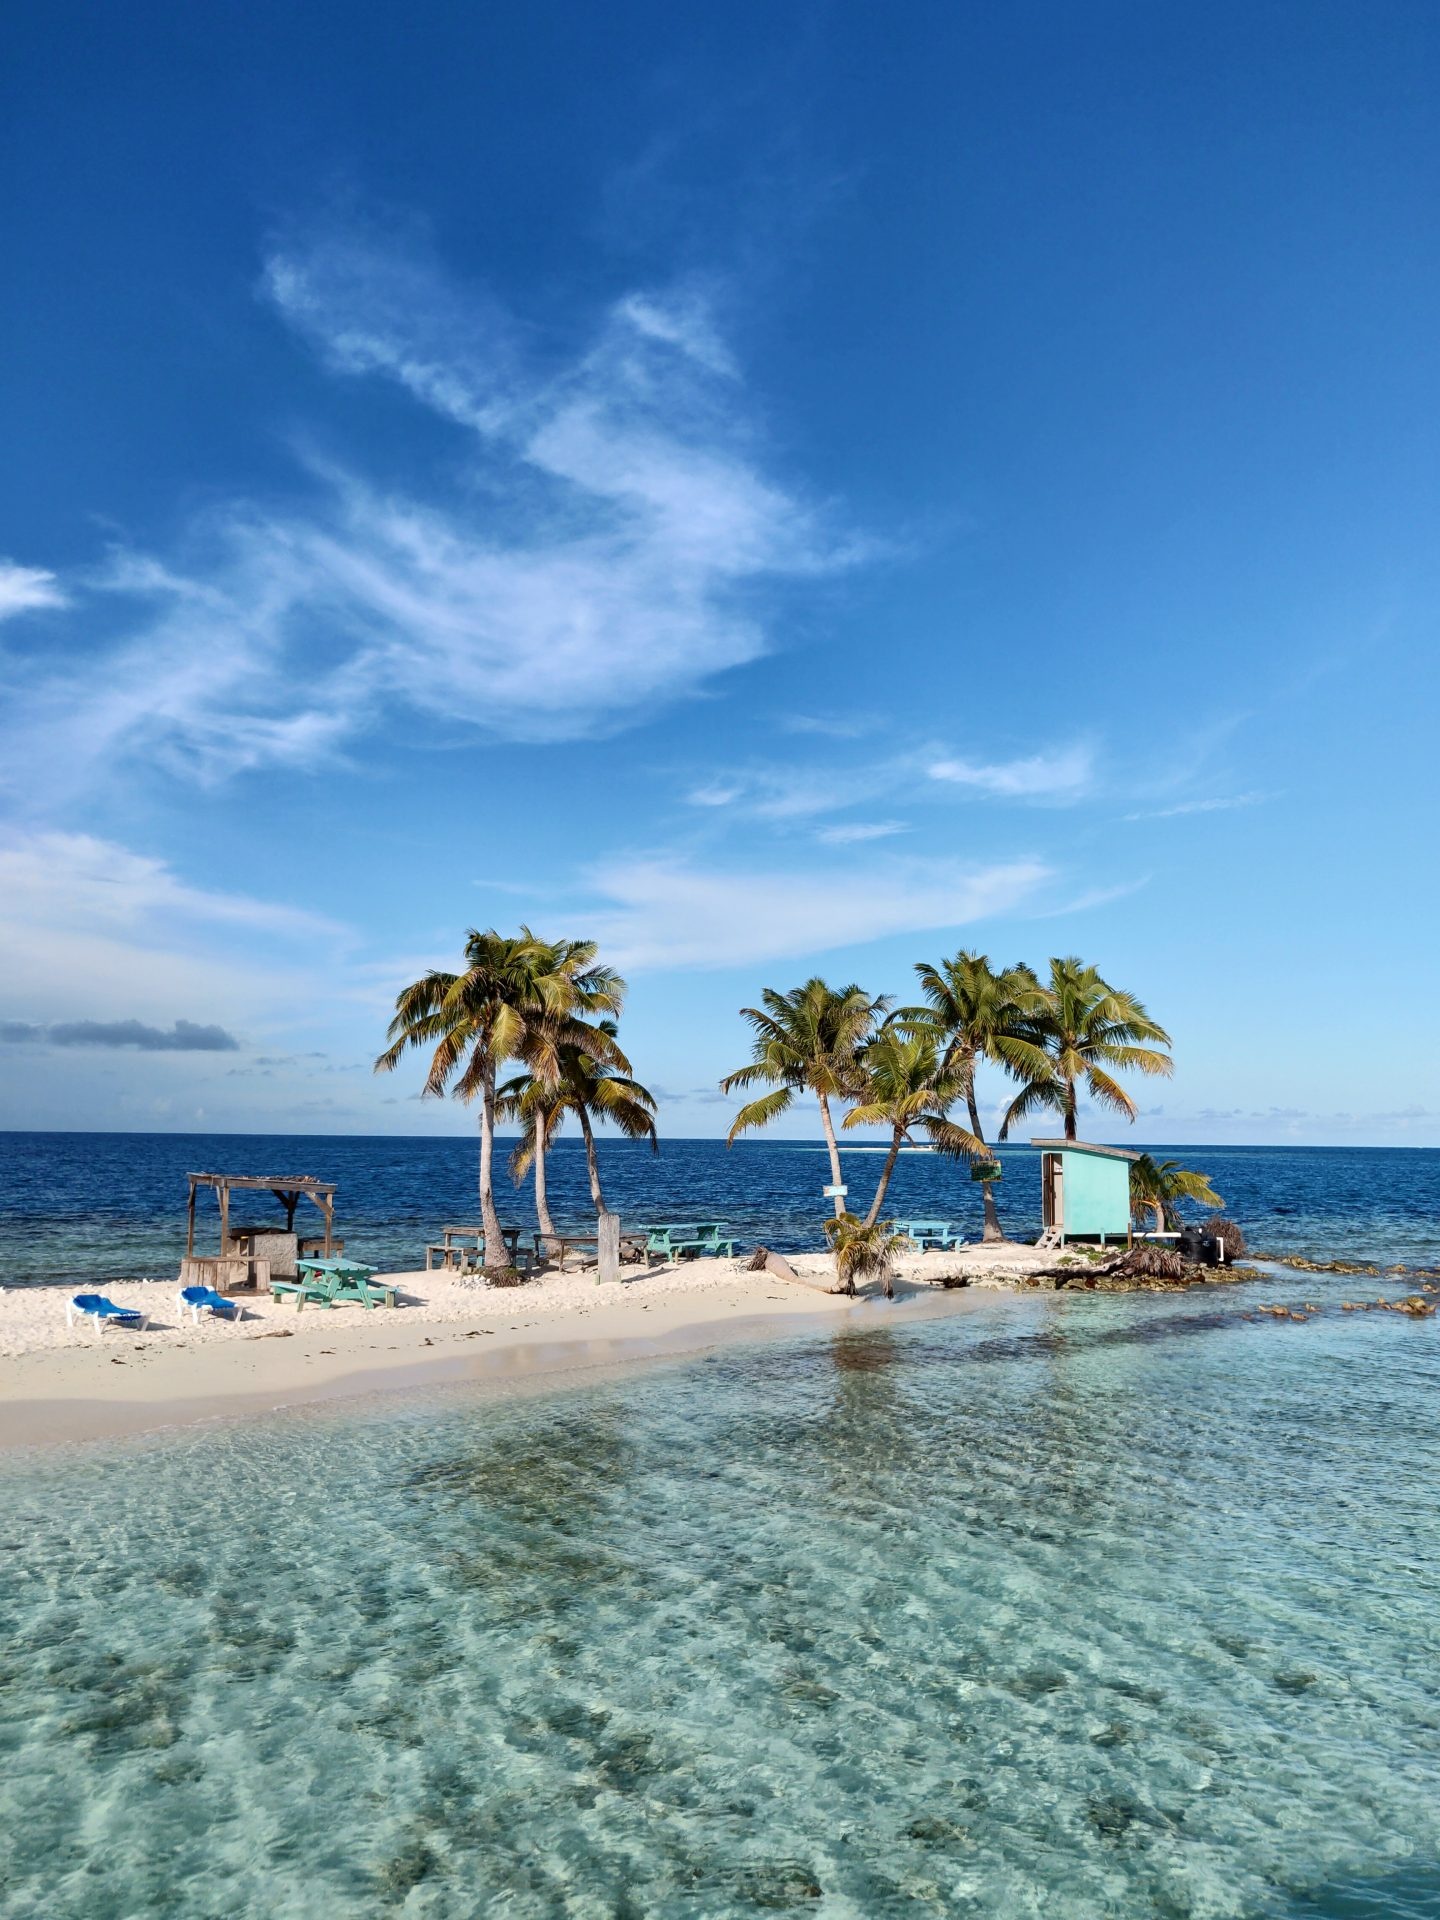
point(546, 1245)
point(454, 1255)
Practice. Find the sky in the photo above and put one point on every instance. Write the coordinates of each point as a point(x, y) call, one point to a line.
point(776, 490)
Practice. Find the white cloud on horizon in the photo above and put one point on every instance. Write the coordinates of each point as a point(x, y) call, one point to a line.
point(661, 912)
point(602, 556)
point(85, 922)
point(27, 589)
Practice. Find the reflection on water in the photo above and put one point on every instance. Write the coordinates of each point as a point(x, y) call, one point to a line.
point(1117, 1607)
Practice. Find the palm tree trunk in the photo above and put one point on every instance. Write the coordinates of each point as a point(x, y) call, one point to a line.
point(591, 1161)
point(992, 1215)
point(836, 1179)
point(1070, 1104)
point(497, 1257)
point(542, 1200)
point(885, 1173)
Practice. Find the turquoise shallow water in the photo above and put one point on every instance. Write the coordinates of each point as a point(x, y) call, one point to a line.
point(1108, 1606)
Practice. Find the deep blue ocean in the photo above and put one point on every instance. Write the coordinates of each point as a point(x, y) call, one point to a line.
point(110, 1206)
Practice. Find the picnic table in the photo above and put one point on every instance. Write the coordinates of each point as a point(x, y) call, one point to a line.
point(454, 1253)
point(334, 1283)
point(931, 1233)
point(693, 1239)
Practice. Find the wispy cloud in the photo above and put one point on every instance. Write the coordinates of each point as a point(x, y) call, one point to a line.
point(605, 550)
point(1064, 775)
point(783, 793)
point(1221, 804)
point(1096, 897)
point(185, 1036)
point(667, 913)
point(860, 830)
point(791, 790)
point(24, 589)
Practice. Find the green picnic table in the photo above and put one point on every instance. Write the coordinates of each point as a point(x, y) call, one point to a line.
point(334, 1283)
point(697, 1238)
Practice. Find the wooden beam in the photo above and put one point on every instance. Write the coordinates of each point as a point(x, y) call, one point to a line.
point(224, 1192)
point(190, 1224)
point(329, 1210)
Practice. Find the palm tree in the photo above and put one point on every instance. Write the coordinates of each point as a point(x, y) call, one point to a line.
point(539, 1106)
point(805, 1041)
point(595, 1083)
point(975, 1013)
point(864, 1252)
point(1155, 1186)
point(906, 1086)
point(1082, 1029)
point(519, 997)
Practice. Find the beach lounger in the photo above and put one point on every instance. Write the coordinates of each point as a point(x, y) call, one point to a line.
point(206, 1300)
point(102, 1312)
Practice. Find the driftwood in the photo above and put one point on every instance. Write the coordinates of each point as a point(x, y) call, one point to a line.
point(764, 1261)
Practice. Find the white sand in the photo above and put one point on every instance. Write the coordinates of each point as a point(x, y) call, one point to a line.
point(57, 1384)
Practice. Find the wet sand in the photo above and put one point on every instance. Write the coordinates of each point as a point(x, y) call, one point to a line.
point(59, 1386)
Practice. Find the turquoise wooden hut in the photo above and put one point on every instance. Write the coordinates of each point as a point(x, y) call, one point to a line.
point(1084, 1191)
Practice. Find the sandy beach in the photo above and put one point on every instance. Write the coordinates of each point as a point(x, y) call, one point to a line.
point(62, 1384)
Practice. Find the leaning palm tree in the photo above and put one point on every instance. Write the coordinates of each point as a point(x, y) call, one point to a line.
point(518, 998)
point(805, 1041)
point(539, 1106)
point(906, 1086)
point(1083, 1032)
point(596, 1085)
point(1156, 1185)
point(975, 1013)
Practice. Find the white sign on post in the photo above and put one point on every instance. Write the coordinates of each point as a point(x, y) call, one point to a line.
point(836, 1193)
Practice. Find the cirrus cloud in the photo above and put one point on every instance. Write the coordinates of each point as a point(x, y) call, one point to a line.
point(24, 589)
point(607, 547)
point(664, 912)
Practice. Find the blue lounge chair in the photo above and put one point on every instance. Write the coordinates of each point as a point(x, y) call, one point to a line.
point(102, 1312)
point(206, 1300)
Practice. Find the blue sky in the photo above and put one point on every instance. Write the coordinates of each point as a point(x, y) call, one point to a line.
point(779, 490)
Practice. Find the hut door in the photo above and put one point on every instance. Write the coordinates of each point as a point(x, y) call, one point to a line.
point(1057, 1192)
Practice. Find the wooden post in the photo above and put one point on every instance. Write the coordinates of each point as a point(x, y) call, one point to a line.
point(190, 1228)
point(224, 1220)
point(608, 1248)
point(329, 1221)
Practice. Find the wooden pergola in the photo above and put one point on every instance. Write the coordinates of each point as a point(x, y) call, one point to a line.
point(289, 1190)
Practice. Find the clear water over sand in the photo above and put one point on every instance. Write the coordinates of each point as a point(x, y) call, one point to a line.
point(1108, 1606)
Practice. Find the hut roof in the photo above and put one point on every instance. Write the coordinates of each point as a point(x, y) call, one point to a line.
point(1085, 1146)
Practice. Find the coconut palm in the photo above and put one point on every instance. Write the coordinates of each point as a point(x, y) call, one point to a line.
point(1083, 1032)
point(864, 1251)
point(595, 1084)
point(518, 998)
point(905, 1087)
point(975, 1013)
point(805, 1041)
point(1155, 1186)
point(540, 1108)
